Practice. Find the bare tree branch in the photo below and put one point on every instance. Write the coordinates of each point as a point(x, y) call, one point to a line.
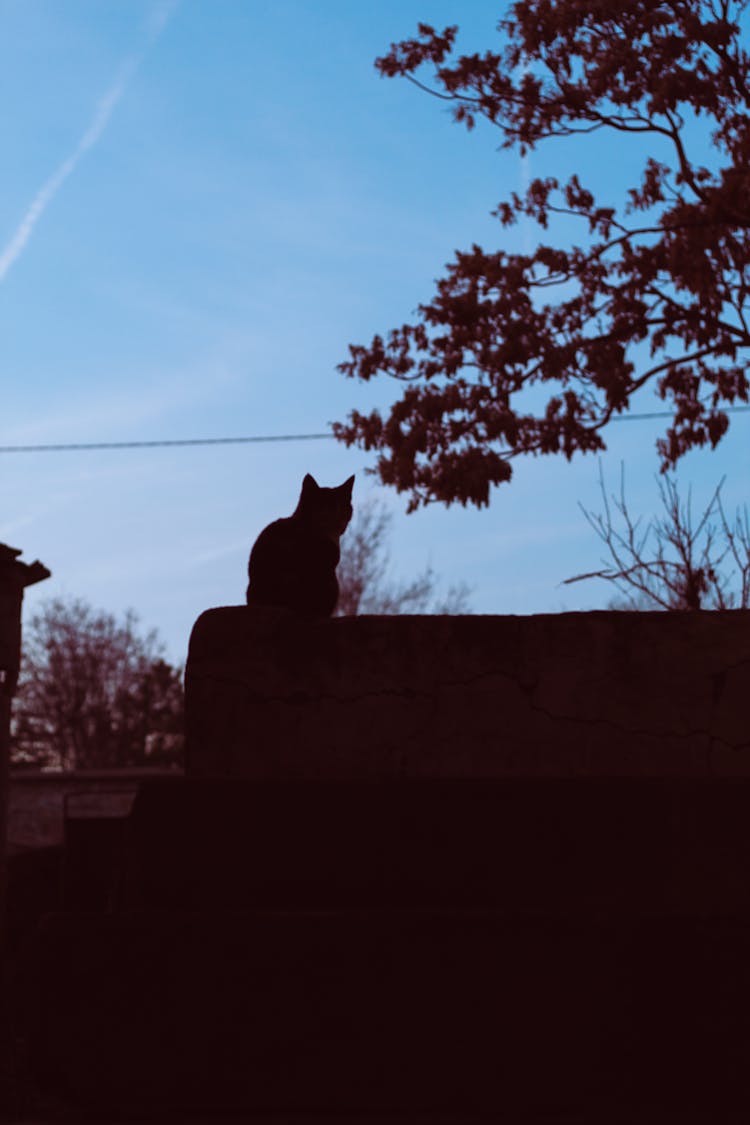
point(365, 585)
point(673, 565)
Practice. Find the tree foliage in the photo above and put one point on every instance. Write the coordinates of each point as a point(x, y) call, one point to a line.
point(656, 290)
point(365, 585)
point(94, 692)
point(673, 563)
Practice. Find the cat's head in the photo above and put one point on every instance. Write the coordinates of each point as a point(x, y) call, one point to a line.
point(329, 509)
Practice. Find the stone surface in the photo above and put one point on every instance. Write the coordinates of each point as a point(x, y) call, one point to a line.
point(577, 694)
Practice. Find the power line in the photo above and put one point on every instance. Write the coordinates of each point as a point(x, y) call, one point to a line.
point(670, 414)
point(69, 447)
point(88, 445)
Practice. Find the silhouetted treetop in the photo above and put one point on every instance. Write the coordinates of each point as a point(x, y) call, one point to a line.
point(664, 271)
point(94, 692)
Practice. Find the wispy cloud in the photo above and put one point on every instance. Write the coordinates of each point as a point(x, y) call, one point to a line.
point(157, 21)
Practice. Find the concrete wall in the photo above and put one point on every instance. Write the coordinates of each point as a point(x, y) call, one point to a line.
point(575, 694)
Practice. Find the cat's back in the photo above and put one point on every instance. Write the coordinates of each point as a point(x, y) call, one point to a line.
point(282, 541)
point(277, 539)
point(293, 566)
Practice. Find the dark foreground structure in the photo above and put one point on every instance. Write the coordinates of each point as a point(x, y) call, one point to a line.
point(428, 869)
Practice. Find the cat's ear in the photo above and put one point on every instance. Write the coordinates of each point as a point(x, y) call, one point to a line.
point(347, 487)
point(309, 485)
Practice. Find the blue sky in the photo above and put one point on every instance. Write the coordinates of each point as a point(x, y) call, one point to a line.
point(203, 203)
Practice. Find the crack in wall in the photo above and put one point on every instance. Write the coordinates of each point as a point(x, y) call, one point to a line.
point(302, 698)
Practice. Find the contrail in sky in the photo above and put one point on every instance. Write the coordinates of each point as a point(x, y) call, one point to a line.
point(525, 175)
point(158, 19)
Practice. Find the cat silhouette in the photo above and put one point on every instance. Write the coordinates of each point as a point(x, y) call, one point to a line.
point(293, 561)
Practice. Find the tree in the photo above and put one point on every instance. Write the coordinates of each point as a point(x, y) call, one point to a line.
point(664, 273)
point(364, 585)
point(94, 692)
point(672, 564)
